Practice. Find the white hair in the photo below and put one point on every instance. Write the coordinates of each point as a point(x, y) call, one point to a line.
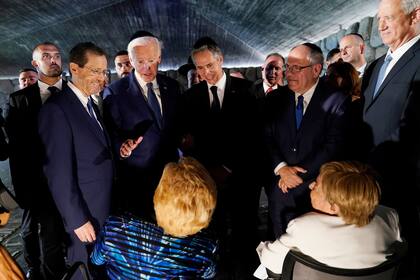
point(407, 6)
point(143, 41)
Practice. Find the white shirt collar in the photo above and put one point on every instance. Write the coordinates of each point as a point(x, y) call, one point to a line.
point(307, 96)
point(221, 86)
point(43, 87)
point(80, 95)
point(399, 52)
point(266, 86)
point(361, 69)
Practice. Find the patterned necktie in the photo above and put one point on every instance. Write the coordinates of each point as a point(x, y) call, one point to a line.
point(215, 106)
point(299, 111)
point(90, 106)
point(381, 75)
point(154, 104)
point(53, 90)
point(270, 89)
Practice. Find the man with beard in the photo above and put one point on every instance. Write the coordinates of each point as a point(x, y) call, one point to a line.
point(41, 223)
point(123, 65)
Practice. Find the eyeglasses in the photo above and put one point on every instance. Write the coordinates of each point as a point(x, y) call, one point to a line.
point(296, 68)
point(97, 71)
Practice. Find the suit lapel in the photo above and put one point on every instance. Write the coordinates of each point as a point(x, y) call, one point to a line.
point(80, 110)
point(163, 89)
point(34, 97)
point(406, 58)
point(311, 110)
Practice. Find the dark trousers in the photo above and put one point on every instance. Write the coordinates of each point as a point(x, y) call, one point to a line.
point(42, 234)
point(284, 207)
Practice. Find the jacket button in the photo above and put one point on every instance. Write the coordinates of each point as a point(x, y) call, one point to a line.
point(294, 149)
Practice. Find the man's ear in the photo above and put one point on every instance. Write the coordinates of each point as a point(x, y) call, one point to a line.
point(415, 16)
point(34, 63)
point(317, 68)
point(73, 67)
point(362, 48)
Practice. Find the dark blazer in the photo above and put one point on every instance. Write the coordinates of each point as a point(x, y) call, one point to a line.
point(124, 108)
point(226, 139)
point(25, 147)
point(393, 120)
point(78, 162)
point(321, 136)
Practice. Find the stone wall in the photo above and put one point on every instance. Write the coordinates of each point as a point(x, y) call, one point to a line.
point(368, 28)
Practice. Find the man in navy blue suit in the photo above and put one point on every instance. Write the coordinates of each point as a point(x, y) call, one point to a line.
point(78, 160)
point(307, 131)
point(142, 113)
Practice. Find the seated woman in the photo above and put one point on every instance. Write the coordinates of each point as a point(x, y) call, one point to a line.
point(176, 247)
point(348, 229)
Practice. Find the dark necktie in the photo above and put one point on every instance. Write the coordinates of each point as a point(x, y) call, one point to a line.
point(381, 75)
point(90, 106)
point(215, 105)
point(299, 111)
point(154, 104)
point(53, 90)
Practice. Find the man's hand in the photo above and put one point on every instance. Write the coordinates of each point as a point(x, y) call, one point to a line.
point(289, 177)
point(86, 233)
point(128, 146)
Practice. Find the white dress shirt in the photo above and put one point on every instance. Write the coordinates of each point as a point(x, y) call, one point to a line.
point(143, 86)
point(43, 89)
point(221, 86)
point(83, 99)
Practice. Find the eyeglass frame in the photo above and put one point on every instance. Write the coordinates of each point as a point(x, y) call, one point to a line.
point(97, 72)
point(297, 68)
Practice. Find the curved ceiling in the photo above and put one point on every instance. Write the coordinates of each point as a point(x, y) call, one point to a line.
point(246, 30)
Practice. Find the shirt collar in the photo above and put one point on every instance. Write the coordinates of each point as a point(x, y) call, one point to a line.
point(221, 83)
point(143, 84)
point(307, 96)
point(398, 53)
point(43, 87)
point(267, 86)
point(82, 97)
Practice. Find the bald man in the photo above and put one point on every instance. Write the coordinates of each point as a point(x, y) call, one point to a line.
point(352, 48)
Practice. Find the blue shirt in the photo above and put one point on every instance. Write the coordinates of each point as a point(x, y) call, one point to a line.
point(135, 249)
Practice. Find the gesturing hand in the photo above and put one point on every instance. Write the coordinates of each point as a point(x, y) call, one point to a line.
point(289, 177)
point(128, 146)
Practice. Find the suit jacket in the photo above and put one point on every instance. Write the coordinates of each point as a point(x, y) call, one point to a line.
point(124, 108)
point(78, 162)
point(25, 147)
point(329, 240)
point(226, 139)
point(321, 136)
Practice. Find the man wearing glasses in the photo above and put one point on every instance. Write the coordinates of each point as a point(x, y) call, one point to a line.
point(307, 131)
point(78, 160)
point(42, 227)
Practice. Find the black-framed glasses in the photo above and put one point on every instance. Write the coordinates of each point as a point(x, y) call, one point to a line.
point(97, 71)
point(295, 68)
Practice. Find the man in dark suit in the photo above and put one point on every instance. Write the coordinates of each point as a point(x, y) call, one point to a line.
point(307, 131)
point(391, 111)
point(142, 113)
point(28, 179)
point(220, 120)
point(78, 162)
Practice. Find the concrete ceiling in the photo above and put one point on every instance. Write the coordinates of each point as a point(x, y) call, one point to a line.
point(246, 30)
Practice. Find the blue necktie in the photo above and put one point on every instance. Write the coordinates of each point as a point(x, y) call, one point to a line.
point(90, 105)
point(154, 104)
point(299, 111)
point(53, 90)
point(381, 75)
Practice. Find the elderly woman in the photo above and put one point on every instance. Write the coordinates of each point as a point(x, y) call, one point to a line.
point(348, 229)
point(174, 248)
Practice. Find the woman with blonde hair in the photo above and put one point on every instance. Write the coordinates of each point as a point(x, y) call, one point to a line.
point(347, 229)
point(177, 247)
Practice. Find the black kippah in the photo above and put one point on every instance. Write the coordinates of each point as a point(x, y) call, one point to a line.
point(141, 33)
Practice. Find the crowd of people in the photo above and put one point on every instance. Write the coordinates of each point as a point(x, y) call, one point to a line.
point(144, 179)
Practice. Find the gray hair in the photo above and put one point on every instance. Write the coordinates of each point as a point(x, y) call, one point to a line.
point(143, 41)
point(213, 49)
point(276, 55)
point(407, 6)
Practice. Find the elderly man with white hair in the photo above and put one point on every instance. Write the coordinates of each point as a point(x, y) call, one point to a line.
point(142, 112)
point(391, 112)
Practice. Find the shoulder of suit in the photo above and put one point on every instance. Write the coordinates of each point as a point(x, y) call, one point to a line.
point(24, 92)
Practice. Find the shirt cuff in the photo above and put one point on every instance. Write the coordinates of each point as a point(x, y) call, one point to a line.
point(280, 165)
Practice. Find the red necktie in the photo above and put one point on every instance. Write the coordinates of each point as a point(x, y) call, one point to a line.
point(270, 89)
